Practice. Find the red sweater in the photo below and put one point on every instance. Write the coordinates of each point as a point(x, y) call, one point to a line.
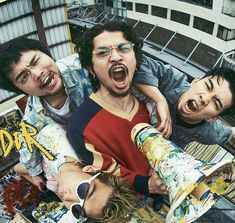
point(101, 136)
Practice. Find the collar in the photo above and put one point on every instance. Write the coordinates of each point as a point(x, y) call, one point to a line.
point(181, 122)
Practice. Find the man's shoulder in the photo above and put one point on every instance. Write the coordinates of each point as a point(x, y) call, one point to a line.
point(33, 104)
point(207, 132)
point(82, 116)
point(87, 109)
point(34, 109)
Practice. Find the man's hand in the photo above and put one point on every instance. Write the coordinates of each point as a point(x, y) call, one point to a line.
point(156, 185)
point(163, 113)
point(164, 118)
point(39, 182)
point(232, 142)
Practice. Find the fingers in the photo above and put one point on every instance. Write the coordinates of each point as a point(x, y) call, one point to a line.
point(39, 182)
point(42, 187)
point(156, 186)
point(164, 119)
point(165, 127)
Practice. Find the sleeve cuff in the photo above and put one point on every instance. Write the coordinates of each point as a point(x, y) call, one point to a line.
point(141, 184)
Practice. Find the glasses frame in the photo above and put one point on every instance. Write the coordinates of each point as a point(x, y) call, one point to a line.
point(110, 48)
point(82, 201)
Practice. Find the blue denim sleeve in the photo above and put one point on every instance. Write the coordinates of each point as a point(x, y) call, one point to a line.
point(146, 73)
point(31, 160)
point(155, 73)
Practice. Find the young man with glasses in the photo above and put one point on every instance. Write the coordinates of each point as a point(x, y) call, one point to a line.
point(99, 130)
point(54, 89)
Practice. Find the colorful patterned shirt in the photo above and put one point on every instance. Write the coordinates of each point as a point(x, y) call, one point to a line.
point(78, 87)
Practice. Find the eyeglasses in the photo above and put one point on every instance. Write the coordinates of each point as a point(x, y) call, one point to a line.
point(81, 192)
point(104, 51)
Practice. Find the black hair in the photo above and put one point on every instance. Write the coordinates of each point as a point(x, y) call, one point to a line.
point(85, 45)
point(11, 52)
point(229, 75)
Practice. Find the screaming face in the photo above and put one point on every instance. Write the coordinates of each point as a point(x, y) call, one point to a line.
point(205, 99)
point(36, 74)
point(115, 71)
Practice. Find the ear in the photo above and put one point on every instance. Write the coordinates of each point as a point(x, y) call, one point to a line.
point(196, 80)
point(212, 119)
point(91, 169)
point(92, 72)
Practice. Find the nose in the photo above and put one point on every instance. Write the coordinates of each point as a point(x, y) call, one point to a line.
point(114, 55)
point(36, 73)
point(206, 98)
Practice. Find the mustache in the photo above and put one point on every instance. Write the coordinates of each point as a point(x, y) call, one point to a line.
point(117, 64)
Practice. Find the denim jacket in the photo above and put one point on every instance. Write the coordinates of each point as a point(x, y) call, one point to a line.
point(172, 83)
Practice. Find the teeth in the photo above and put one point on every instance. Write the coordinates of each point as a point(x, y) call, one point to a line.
point(118, 69)
point(45, 80)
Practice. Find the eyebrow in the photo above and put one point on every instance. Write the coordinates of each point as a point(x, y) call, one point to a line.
point(32, 60)
point(211, 84)
point(92, 191)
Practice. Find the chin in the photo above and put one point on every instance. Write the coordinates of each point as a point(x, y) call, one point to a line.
point(120, 94)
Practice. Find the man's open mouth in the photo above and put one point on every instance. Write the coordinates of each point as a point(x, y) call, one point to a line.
point(47, 80)
point(192, 105)
point(118, 72)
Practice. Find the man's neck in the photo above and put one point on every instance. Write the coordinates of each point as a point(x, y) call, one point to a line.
point(56, 101)
point(187, 124)
point(124, 104)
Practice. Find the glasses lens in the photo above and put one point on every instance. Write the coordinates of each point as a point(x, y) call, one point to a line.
point(102, 51)
point(124, 47)
point(76, 210)
point(82, 190)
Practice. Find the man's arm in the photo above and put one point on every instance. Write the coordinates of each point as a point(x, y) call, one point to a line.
point(147, 80)
point(163, 113)
point(143, 184)
point(31, 161)
point(89, 155)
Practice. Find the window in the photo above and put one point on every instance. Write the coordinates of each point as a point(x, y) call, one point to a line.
point(203, 25)
point(203, 3)
point(226, 34)
point(159, 11)
point(109, 3)
point(129, 6)
point(180, 17)
point(141, 8)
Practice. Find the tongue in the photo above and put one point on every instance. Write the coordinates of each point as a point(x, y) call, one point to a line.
point(191, 105)
point(119, 76)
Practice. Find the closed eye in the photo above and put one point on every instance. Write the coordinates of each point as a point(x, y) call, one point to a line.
point(22, 77)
